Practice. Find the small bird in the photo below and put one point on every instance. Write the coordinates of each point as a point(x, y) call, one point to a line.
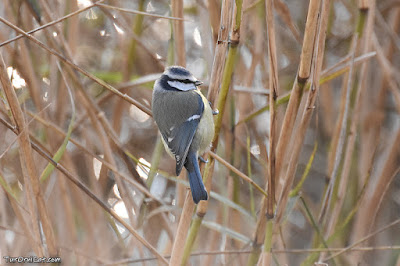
point(185, 120)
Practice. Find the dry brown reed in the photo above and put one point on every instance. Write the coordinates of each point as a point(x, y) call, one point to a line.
point(308, 98)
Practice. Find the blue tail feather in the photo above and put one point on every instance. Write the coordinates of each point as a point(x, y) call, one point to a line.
point(199, 192)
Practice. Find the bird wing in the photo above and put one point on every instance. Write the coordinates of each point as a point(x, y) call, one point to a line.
point(179, 137)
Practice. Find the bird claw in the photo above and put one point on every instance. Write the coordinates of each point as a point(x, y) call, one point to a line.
point(203, 160)
point(214, 112)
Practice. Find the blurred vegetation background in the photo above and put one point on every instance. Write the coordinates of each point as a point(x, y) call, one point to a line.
point(84, 175)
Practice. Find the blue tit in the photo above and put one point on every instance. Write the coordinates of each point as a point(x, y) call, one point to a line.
point(185, 120)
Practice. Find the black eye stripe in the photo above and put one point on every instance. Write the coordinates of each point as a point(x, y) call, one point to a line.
point(186, 81)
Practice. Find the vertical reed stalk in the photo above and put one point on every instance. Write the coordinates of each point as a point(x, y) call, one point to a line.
point(355, 118)
point(181, 232)
point(178, 32)
point(273, 95)
point(31, 178)
point(308, 109)
point(299, 83)
point(226, 83)
point(342, 137)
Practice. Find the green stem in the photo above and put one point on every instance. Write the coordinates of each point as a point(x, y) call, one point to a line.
point(155, 161)
point(194, 229)
point(268, 236)
point(226, 82)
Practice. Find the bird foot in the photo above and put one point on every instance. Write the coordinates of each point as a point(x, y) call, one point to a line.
point(214, 112)
point(203, 160)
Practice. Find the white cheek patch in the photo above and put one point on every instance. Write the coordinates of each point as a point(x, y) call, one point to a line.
point(182, 86)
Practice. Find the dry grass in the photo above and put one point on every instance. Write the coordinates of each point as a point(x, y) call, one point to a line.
point(308, 94)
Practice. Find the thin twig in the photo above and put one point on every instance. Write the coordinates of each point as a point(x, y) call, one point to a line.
point(78, 68)
point(236, 171)
point(139, 12)
point(364, 239)
point(52, 23)
point(76, 181)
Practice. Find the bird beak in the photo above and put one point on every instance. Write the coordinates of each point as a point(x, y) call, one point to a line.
point(198, 83)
